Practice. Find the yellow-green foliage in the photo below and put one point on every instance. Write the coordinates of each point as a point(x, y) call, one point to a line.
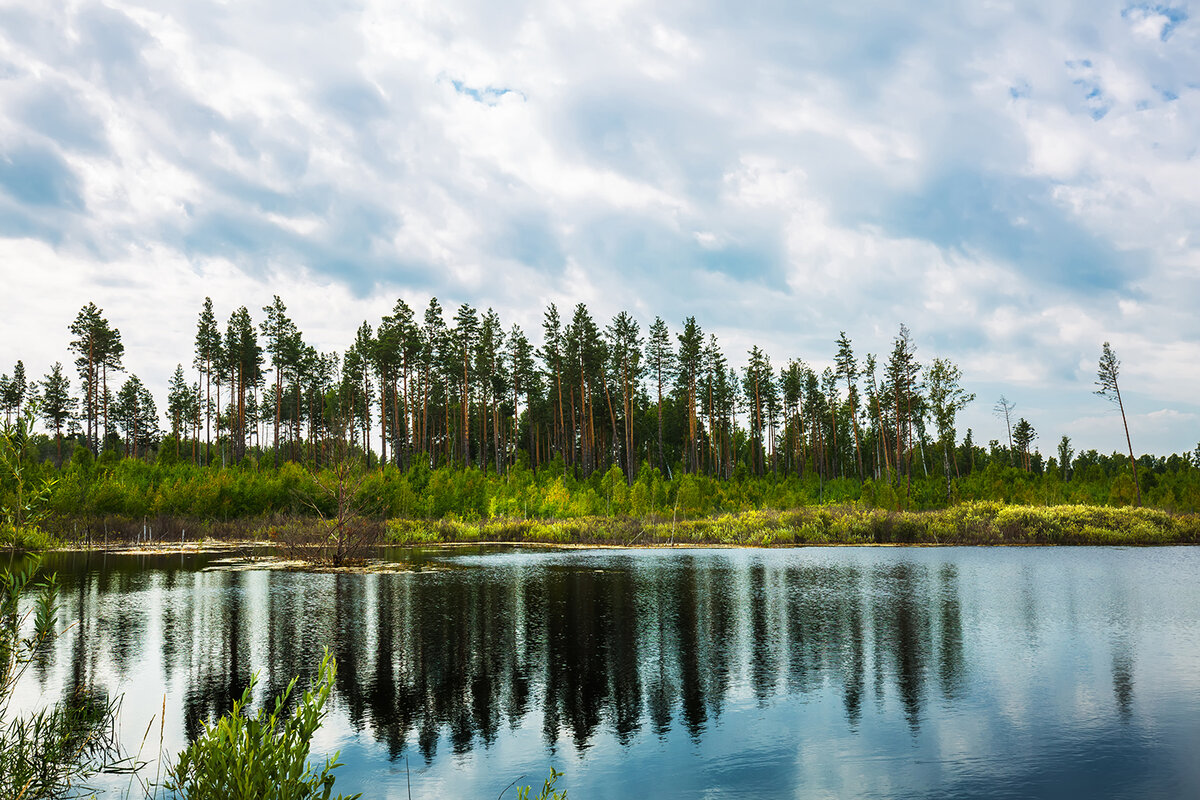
point(966, 523)
point(27, 537)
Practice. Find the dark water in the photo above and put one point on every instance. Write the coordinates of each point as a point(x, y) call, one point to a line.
point(811, 673)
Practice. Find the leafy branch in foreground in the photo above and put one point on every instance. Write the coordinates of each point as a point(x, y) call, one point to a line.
point(260, 757)
point(547, 792)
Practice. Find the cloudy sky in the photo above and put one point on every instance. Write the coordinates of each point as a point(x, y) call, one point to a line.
point(1016, 181)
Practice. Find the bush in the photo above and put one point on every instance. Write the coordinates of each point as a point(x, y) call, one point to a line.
point(264, 757)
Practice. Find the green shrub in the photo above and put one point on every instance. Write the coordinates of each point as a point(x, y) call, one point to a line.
point(264, 757)
point(408, 532)
point(28, 538)
point(547, 792)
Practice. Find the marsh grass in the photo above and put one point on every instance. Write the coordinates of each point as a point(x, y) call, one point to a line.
point(973, 523)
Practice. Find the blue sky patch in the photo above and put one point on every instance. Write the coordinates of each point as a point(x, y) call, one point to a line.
point(489, 95)
point(1174, 16)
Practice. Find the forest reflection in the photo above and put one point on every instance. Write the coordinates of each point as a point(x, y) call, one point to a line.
point(620, 644)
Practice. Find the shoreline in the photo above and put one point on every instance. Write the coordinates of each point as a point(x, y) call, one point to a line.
point(980, 524)
point(219, 548)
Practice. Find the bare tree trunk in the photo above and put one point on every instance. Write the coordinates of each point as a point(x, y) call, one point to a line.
point(1132, 461)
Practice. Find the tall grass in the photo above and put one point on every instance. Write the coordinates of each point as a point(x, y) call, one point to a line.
point(976, 523)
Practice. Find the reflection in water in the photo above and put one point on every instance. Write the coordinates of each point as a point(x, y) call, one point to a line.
point(457, 655)
point(850, 672)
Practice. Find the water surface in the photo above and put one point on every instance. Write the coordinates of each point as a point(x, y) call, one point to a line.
point(806, 673)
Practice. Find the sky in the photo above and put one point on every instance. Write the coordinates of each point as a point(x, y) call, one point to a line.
point(1017, 182)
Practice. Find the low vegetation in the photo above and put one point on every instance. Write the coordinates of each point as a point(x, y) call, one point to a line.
point(263, 756)
point(972, 523)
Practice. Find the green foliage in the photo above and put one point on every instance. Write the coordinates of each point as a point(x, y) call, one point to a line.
point(547, 792)
point(966, 523)
point(24, 486)
point(260, 757)
point(86, 492)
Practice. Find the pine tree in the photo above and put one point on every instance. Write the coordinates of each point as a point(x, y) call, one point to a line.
point(491, 380)
point(13, 391)
point(688, 363)
point(208, 356)
point(791, 384)
point(407, 349)
point(815, 405)
point(524, 381)
point(902, 372)
point(583, 358)
point(660, 361)
point(243, 358)
point(1023, 436)
point(1106, 378)
point(947, 398)
point(757, 373)
point(388, 356)
point(111, 351)
point(830, 392)
point(847, 369)
point(434, 344)
point(134, 413)
point(466, 330)
point(280, 335)
point(179, 400)
point(551, 355)
point(625, 350)
point(58, 406)
point(85, 329)
point(717, 394)
point(1064, 457)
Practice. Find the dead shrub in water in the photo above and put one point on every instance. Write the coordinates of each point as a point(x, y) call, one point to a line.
point(322, 541)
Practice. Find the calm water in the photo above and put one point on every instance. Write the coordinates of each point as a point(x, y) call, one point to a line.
point(810, 673)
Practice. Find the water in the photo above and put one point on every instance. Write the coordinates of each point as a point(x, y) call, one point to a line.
point(805, 673)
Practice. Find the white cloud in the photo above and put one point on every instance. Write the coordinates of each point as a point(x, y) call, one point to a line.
point(1016, 181)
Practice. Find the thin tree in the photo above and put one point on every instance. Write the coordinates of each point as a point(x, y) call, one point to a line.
point(14, 391)
point(524, 381)
point(847, 367)
point(280, 333)
point(1023, 436)
point(688, 361)
point(947, 398)
point(902, 370)
point(57, 403)
point(1106, 379)
point(179, 398)
point(1064, 457)
point(1004, 408)
point(86, 344)
point(661, 360)
point(466, 331)
point(625, 348)
point(111, 350)
point(208, 356)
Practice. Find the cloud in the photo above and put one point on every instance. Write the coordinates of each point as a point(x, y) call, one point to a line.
point(1018, 182)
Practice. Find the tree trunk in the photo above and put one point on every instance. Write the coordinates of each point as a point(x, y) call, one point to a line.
point(1132, 462)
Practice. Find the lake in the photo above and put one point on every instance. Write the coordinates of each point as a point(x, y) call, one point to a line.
point(673, 673)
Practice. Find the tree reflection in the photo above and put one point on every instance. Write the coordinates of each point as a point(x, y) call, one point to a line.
point(449, 658)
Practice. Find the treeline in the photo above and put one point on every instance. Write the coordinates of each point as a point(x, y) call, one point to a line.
point(463, 391)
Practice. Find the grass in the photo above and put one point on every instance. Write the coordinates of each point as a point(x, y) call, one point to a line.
point(975, 523)
point(26, 538)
